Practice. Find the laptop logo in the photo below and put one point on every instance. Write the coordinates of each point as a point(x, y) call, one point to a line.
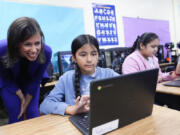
point(99, 88)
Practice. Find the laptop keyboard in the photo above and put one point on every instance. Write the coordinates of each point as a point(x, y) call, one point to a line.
point(84, 122)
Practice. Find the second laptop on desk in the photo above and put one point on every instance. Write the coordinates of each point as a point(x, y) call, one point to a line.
point(118, 101)
point(173, 83)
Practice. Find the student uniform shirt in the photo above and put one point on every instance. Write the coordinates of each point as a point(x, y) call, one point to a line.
point(136, 62)
point(30, 82)
point(63, 93)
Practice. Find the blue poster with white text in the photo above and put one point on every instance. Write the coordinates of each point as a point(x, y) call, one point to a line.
point(105, 24)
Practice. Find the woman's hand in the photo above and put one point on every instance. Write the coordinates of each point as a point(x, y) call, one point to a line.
point(22, 100)
point(27, 101)
point(81, 105)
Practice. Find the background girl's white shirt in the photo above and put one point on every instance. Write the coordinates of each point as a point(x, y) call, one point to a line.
point(151, 63)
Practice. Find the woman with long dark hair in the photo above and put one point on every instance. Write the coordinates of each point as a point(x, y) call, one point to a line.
point(23, 60)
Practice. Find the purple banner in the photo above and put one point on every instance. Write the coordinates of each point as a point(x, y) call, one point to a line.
point(136, 26)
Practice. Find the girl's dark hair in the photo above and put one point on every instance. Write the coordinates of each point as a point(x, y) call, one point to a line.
point(77, 43)
point(145, 38)
point(20, 30)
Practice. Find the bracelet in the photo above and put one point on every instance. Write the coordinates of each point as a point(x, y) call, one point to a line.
point(176, 73)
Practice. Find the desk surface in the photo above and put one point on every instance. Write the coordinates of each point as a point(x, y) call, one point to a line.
point(163, 121)
point(168, 89)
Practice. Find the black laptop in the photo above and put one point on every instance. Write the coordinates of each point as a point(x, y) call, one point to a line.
point(173, 83)
point(118, 101)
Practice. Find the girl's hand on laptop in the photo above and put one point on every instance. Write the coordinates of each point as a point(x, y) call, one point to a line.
point(86, 98)
point(81, 105)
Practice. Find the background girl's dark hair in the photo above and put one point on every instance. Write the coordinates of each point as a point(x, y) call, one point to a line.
point(145, 38)
point(20, 30)
point(77, 43)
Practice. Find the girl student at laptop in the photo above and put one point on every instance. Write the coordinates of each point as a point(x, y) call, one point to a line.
point(71, 93)
point(143, 57)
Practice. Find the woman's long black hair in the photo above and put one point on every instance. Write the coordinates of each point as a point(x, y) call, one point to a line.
point(77, 43)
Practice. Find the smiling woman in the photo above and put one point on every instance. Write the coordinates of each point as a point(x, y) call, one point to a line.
point(23, 32)
point(31, 48)
point(23, 60)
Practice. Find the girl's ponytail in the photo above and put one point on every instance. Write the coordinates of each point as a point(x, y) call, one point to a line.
point(136, 44)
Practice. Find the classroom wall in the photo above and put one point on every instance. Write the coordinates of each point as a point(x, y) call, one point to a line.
point(153, 9)
point(168, 10)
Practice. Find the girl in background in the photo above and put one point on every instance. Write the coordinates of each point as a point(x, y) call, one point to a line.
point(143, 57)
point(71, 93)
point(23, 61)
